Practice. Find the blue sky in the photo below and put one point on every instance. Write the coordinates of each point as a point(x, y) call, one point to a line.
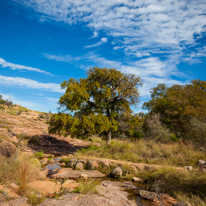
point(44, 42)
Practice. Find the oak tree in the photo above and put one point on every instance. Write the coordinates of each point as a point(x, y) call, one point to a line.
point(93, 105)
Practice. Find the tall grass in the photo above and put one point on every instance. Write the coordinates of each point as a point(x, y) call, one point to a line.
point(147, 151)
point(20, 171)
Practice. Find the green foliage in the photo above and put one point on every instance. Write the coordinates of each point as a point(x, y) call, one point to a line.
point(178, 106)
point(39, 155)
point(96, 102)
point(86, 186)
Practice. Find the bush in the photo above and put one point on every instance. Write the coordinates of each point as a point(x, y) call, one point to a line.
point(196, 131)
point(156, 130)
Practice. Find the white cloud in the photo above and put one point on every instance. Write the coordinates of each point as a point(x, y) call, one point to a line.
point(103, 40)
point(95, 34)
point(152, 70)
point(13, 66)
point(29, 84)
point(60, 58)
point(151, 25)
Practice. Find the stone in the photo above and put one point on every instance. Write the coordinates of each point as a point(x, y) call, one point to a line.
point(14, 186)
point(7, 149)
point(44, 161)
point(83, 176)
point(79, 166)
point(104, 163)
point(136, 179)
point(116, 172)
point(140, 167)
point(201, 162)
point(183, 203)
point(132, 168)
point(69, 173)
point(92, 164)
point(51, 161)
point(72, 162)
point(152, 196)
point(21, 201)
point(2, 199)
point(188, 168)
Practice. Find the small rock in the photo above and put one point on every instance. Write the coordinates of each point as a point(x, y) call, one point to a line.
point(72, 162)
point(2, 199)
point(105, 164)
point(183, 203)
point(51, 161)
point(64, 157)
point(148, 195)
point(44, 161)
point(97, 144)
point(136, 179)
point(79, 166)
point(92, 164)
point(188, 168)
point(14, 186)
point(63, 164)
point(83, 176)
point(83, 161)
point(70, 156)
point(133, 168)
point(116, 172)
point(140, 167)
point(202, 164)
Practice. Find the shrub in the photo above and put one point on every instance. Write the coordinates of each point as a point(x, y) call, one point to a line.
point(156, 130)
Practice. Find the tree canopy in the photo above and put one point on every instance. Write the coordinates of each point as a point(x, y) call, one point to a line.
point(178, 104)
point(93, 105)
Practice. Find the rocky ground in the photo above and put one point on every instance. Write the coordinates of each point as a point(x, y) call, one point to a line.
point(27, 133)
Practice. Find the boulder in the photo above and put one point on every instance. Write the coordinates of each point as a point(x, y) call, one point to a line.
point(7, 149)
point(72, 162)
point(116, 172)
point(79, 166)
point(92, 164)
point(183, 203)
point(152, 196)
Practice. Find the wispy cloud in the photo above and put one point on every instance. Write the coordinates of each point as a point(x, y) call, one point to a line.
point(103, 40)
point(29, 84)
point(152, 70)
point(4, 64)
point(136, 25)
point(62, 58)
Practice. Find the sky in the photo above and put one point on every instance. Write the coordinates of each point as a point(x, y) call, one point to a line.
point(44, 42)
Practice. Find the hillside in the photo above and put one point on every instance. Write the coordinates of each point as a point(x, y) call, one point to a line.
point(80, 167)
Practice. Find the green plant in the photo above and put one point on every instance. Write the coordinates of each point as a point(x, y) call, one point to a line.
point(39, 155)
point(62, 190)
point(34, 197)
point(86, 186)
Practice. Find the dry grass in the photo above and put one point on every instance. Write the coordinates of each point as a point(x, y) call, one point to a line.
point(184, 185)
point(151, 152)
point(20, 171)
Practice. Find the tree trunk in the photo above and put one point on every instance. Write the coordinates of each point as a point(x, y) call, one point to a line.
point(109, 137)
